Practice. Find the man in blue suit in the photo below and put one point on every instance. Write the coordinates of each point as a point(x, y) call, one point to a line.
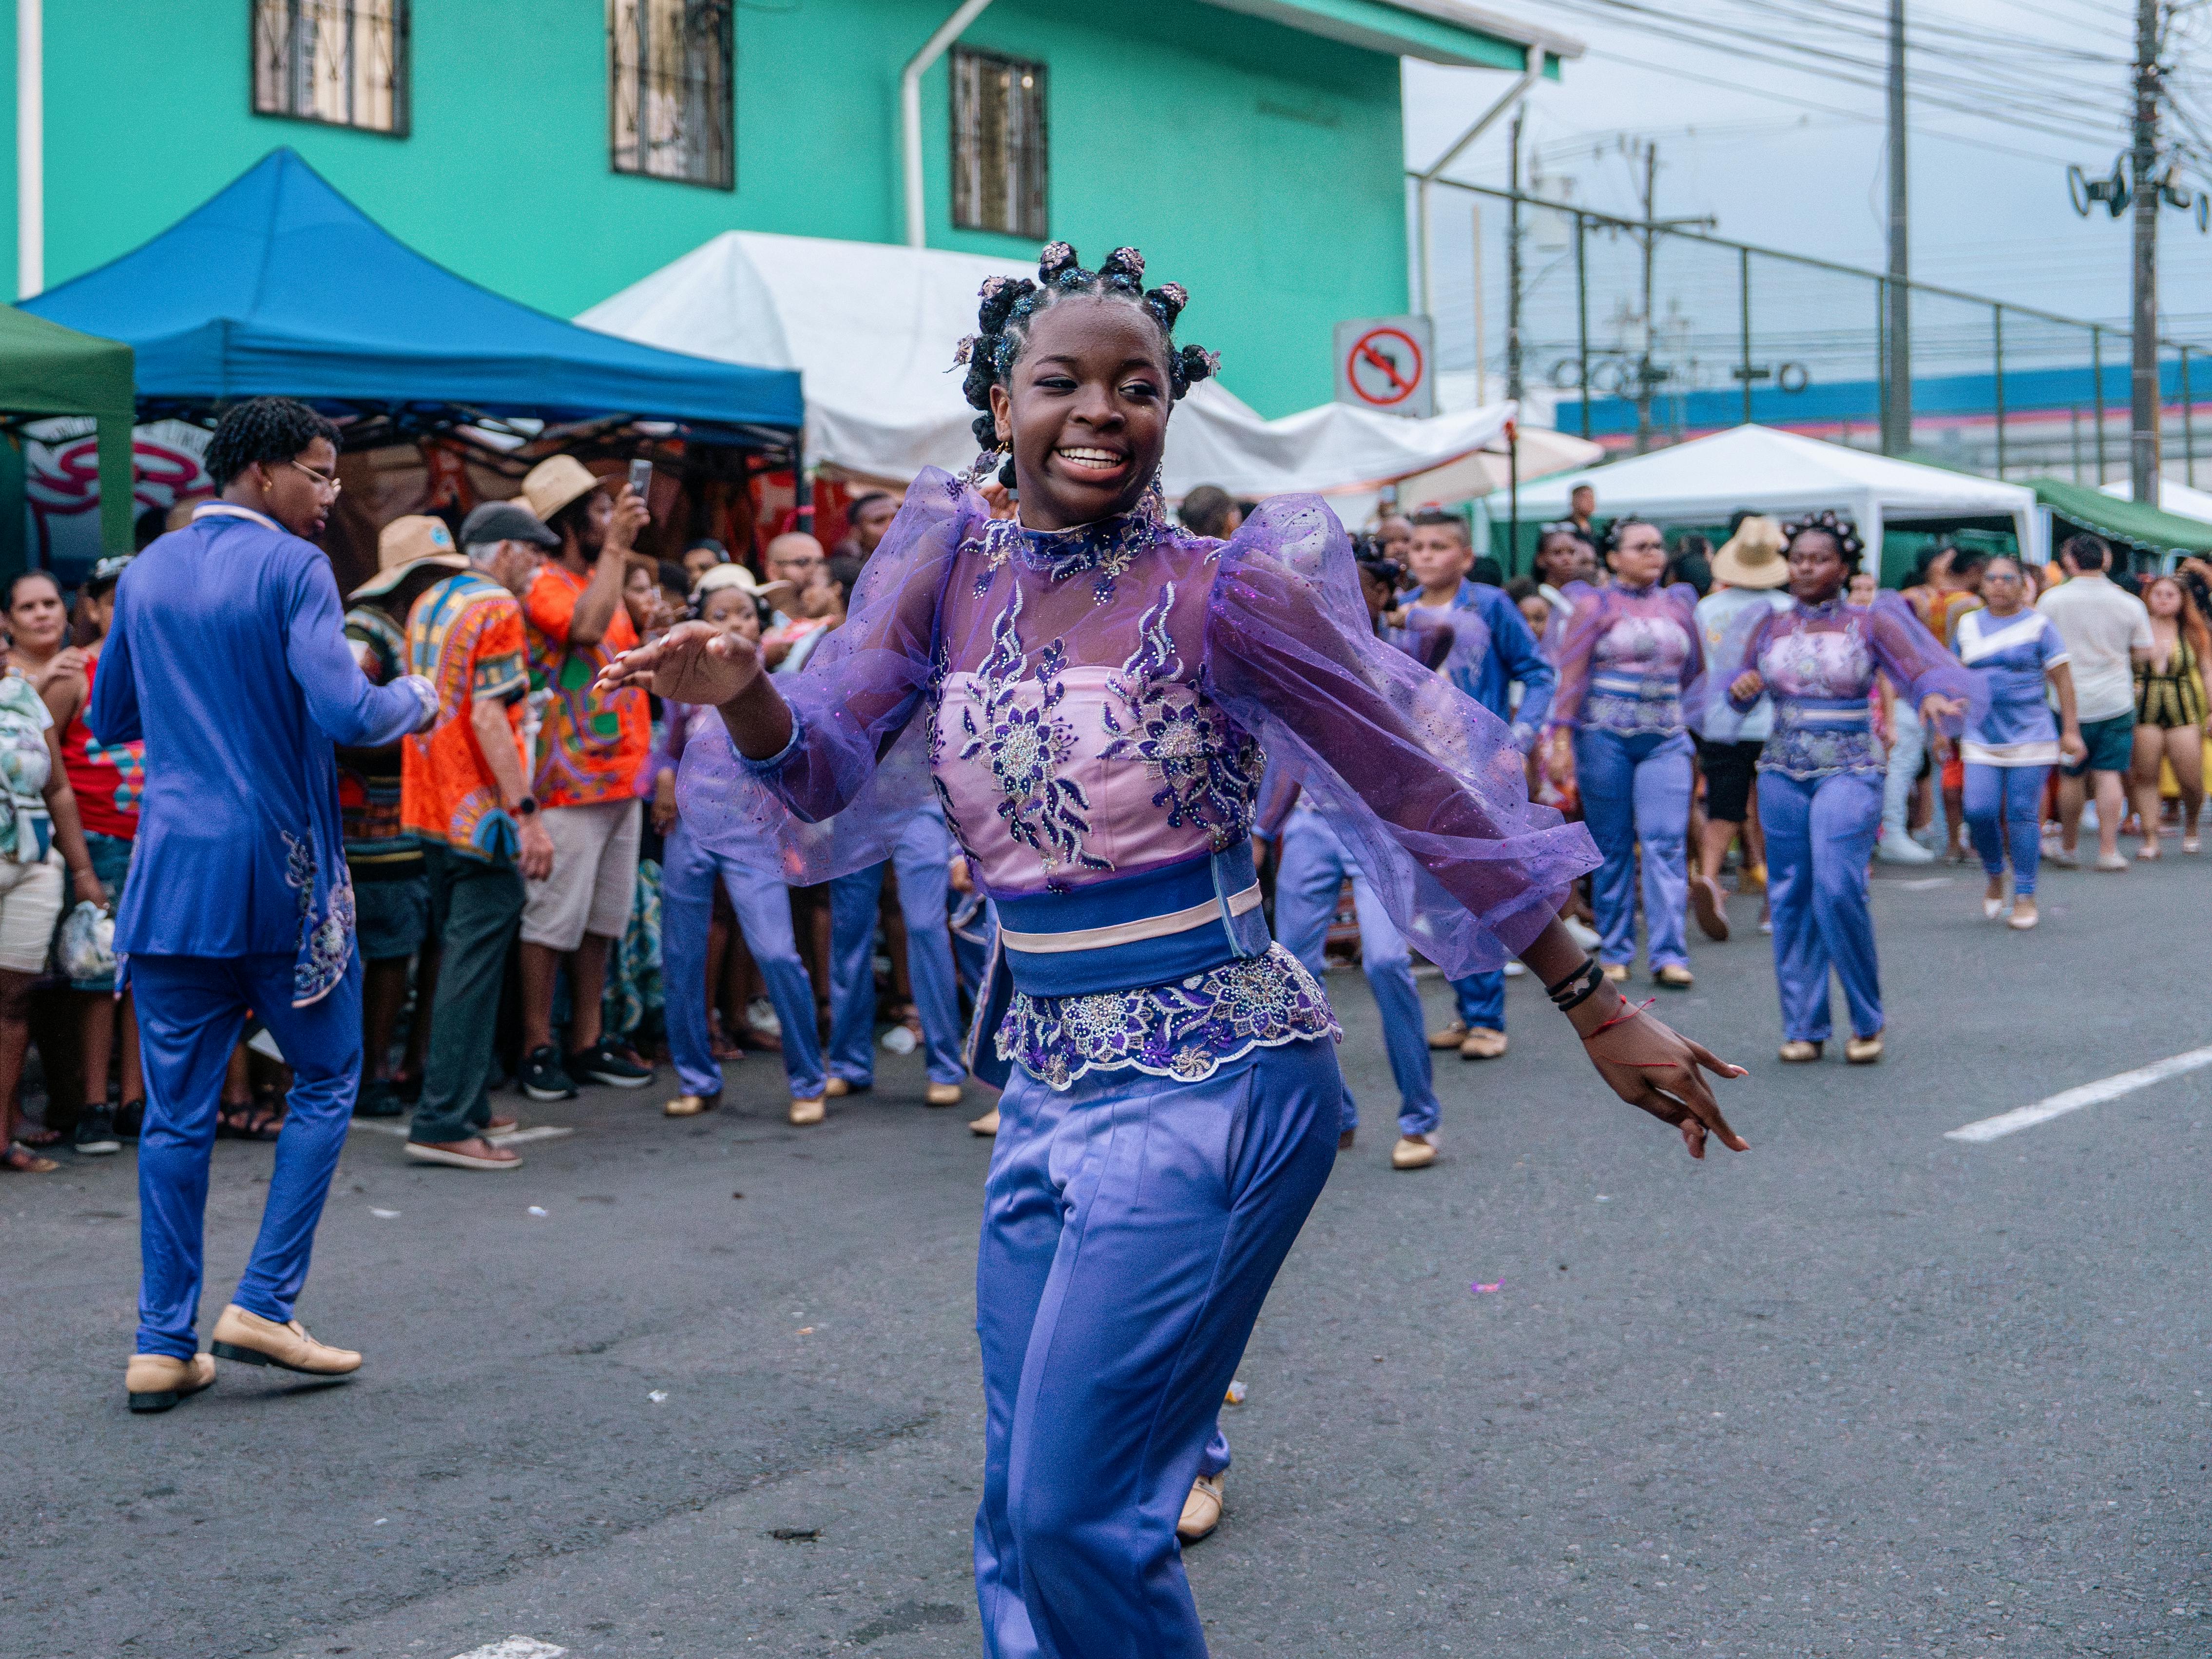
point(228, 657)
point(1440, 558)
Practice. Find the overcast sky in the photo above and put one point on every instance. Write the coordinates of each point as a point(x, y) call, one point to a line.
point(1793, 157)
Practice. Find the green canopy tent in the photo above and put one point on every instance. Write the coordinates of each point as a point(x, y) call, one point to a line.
point(46, 370)
point(2075, 507)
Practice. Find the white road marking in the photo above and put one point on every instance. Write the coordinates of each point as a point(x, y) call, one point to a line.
point(514, 1647)
point(2073, 1100)
point(1923, 885)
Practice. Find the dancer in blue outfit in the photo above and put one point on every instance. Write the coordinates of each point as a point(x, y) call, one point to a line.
point(1820, 775)
point(228, 659)
point(1630, 653)
point(690, 869)
point(1095, 687)
point(1485, 665)
point(2010, 747)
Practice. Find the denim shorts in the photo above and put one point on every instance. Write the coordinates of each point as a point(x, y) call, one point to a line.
point(392, 917)
point(110, 862)
point(2111, 745)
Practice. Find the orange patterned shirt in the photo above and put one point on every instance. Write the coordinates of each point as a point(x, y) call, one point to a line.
point(591, 747)
point(465, 636)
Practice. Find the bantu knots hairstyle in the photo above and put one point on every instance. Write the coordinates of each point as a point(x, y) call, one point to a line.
point(1844, 531)
point(263, 430)
point(1011, 306)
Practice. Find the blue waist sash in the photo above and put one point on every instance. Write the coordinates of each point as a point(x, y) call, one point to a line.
point(1654, 688)
point(1829, 713)
point(1151, 928)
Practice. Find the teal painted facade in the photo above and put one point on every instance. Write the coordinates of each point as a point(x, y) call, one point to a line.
point(1259, 165)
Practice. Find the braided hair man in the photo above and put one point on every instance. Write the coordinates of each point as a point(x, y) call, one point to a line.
point(1095, 688)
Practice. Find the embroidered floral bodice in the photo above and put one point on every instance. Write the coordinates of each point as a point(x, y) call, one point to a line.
point(1093, 704)
point(1627, 656)
point(1819, 662)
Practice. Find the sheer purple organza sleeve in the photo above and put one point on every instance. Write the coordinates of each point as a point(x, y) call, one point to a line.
point(1424, 785)
point(1916, 663)
point(1575, 648)
point(834, 800)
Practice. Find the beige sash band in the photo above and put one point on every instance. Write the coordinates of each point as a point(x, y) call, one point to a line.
point(1130, 933)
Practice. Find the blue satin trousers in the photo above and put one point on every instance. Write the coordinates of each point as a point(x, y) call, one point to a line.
point(1131, 1225)
point(1312, 869)
point(1636, 794)
point(191, 1012)
point(922, 858)
point(1820, 834)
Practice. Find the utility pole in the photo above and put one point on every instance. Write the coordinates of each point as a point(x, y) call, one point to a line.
point(1514, 388)
point(1897, 384)
point(1645, 376)
point(2145, 402)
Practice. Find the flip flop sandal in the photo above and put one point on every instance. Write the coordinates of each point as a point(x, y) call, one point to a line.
point(21, 1160)
point(243, 1123)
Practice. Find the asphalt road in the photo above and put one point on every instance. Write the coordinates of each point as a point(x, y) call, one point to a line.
point(1863, 1390)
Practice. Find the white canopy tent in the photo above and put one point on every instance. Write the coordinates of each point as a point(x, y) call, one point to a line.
point(871, 329)
point(1777, 472)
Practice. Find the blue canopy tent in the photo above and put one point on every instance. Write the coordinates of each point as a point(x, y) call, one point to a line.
point(279, 284)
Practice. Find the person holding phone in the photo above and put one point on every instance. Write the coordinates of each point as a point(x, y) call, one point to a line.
point(590, 749)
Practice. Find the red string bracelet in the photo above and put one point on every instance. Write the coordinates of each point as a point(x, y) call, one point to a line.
point(1627, 1012)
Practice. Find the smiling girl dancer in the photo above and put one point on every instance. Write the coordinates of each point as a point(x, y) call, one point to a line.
point(1095, 687)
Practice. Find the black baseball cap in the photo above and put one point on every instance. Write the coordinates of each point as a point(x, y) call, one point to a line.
point(505, 521)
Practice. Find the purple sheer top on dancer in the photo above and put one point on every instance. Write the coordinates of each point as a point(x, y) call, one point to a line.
point(1094, 704)
point(1627, 656)
point(1818, 663)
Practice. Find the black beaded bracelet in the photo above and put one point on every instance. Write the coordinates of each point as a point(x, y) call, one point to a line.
point(1576, 986)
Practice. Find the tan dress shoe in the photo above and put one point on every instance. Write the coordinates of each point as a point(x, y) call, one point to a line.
point(1675, 977)
point(1482, 1043)
point(689, 1105)
point(803, 1112)
point(1617, 972)
point(157, 1382)
point(1202, 1510)
point(941, 1094)
point(835, 1089)
point(252, 1340)
point(1798, 1051)
point(1863, 1051)
point(1450, 1036)
point(1412, 1152)
point(2023, 914)
point(986, 1125)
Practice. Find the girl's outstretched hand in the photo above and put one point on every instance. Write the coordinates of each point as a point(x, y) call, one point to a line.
point(1651, 1064)
point(693, 662)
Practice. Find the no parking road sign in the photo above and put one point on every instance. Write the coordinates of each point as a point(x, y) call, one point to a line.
point(1383, 363)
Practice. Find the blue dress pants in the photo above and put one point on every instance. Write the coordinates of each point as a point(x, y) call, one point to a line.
point(191, 1012)
point(2004, 813)
point(923, 851)
point(1820, 834)
point(1481, 999)
point(1131, 1225)
point(688, 873)
point(1636, 791)
point(1311, 873)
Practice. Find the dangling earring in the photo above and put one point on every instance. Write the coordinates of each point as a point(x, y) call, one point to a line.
point(1155, 498)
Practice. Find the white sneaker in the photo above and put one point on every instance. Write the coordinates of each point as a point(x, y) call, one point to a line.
point(1588, 938)
point(1893, 849)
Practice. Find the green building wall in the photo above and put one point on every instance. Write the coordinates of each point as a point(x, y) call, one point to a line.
point(1258, 165)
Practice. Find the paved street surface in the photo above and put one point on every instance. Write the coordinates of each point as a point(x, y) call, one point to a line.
point(1864, 1390)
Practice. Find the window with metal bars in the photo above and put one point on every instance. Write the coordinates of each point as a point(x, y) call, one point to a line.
point(340, 62)
point(999, 157)
point(671, 111)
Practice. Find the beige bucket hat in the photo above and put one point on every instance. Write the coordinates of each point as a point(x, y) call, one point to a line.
point(1755, 557)
point(404, 543)
point(558, 480)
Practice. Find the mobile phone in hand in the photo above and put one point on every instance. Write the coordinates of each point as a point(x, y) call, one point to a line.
point(640, 478)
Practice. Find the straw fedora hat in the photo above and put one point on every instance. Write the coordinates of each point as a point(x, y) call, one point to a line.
point(736, 576)
point(558, 480)
point(1755, 557)
point(405, 544)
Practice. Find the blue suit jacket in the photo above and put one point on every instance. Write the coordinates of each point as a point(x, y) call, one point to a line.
point(1512, 656)
point(228, 658)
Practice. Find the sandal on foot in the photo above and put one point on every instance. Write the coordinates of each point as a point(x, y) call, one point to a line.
point(247, 1120)
point(23, 1161)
